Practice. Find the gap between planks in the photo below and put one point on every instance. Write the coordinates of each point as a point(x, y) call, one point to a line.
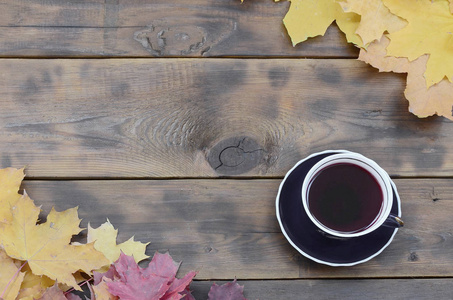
point(41, 178)
point(94, 57)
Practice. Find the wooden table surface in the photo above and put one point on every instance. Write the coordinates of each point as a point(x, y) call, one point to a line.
point(177, 120)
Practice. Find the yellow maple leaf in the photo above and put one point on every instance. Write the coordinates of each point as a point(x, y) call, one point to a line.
point(31, 293)
point(308, 18)
point(376, 18)
point(45, 247)
point(429, 31)
point(10, 180)
point(104, 238)
point(10, 277)
point(33, 286)
point(101, 292)
point(422, 102)
point(31, 280)
point(53, 293)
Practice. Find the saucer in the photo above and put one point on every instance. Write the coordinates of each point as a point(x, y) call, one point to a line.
point(306, 238)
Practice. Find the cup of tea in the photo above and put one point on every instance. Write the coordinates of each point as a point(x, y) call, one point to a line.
point(348, 195)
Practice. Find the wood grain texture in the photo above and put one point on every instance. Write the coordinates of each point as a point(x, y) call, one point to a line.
point(227, 228)
point(155, 28)
point(208, 118)
point(380, 289)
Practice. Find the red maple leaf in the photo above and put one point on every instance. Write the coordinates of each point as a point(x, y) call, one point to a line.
point(227, 291)
point(178, 286)
point(110, 274)
point(158, 281)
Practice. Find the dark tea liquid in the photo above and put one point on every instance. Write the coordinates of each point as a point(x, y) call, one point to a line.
point(345, 197)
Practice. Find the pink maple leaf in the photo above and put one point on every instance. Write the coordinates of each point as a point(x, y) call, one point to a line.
point(128, 281)
point(178, 286)
point(135, 283)
point(54, 293)
point(227, 291)
point(110, 274)
point(162, 265)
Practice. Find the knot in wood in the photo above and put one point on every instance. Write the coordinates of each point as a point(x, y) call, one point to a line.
point(166, 39)
point(235, 155)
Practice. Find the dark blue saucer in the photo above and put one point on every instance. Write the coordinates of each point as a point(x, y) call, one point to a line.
point(305, 237)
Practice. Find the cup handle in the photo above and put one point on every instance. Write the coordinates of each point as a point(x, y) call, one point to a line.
point(393, 221)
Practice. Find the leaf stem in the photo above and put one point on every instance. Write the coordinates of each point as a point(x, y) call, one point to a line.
point(71, 289)
point(12, 279)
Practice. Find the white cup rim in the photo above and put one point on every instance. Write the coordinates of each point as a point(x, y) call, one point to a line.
point(371, 166)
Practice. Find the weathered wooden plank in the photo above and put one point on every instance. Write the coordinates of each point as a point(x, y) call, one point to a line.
point(379, 289)
point(155, 28)
point(171, 118)
point(209, 118)
point(227, 228)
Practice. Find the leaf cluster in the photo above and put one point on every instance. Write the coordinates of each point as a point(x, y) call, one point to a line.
point(39, 261)
point(416, 35)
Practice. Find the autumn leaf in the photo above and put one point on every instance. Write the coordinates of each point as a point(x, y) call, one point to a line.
point(71, 296)
point(227, 291)
point(375, 55)
point(104, 238)
point(31, 293)
point(162, 265)
point(101, 292)
point(55, 293)
point(10, 180)
point(45, 247)
point(187, 295)
point(422, 102)
point(135, 282)
point(429, 31)
point(128, 281)
point(308, 18)
point(179, 286)
point(376, 19)
point(451, 6)
point(111, 273)
point(10, 277)
point(33, 286)
point(31, 279)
